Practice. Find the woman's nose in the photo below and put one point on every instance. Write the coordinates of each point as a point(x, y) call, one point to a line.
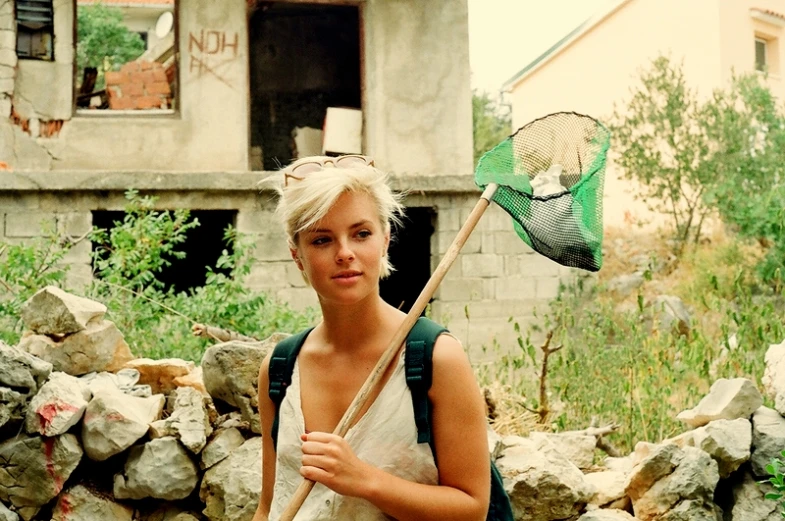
point(345, 253)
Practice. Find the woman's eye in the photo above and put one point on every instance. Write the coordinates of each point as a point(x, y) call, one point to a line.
point(320, 240)
point(364, 234)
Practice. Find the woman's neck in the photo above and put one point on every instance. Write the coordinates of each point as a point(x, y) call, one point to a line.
point(359, 325)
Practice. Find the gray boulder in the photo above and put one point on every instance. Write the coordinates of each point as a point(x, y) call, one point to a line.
point(58, 406)
point(34, 469)
point(773, 379)
point(159, 469)
point(606, 515)
point(221, 446)
point(230, 490)
point(7, 515)
point(231, 374)
point(189, 422)
point(768, 439)
point(115, 421)
point(727, 400)
point(20, 371)
point(52, 311)
point(79, 503)
point(750, 504)
point(98, 347)
point(727, 441)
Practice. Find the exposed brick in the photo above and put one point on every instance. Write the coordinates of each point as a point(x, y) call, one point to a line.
point(145, 65)
point(271, 248)
point(271, 275)
point(294, 277)
point(460, 290)
point(448, 219)
point(136, 77)
point(260, 222)
point(122, 103)
point(147, 76)
point(130, 67)
point(129, 89)
point(517, 289)
point(148, 102)
point(159, 87)
point(78, 254)
point(473, 243)
point(28, 224)
point(115, 77)
point(160, 75)
point(157, 66)
point(78, 277)
point(539, 266)
point(76, 224)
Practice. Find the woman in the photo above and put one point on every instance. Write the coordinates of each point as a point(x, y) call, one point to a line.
point(337, 213)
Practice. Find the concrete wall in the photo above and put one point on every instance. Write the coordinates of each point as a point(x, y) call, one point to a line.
point(416, 87)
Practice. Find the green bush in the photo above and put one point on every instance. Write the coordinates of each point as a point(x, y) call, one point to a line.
point(129, 259)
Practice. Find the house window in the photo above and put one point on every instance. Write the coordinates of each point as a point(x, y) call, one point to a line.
point(761, 58)
point(35, 29)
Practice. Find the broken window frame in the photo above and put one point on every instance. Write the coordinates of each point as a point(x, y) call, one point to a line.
point(170, 113)
point(35, 22)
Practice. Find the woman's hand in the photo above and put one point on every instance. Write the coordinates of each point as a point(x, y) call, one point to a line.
point(328, 459)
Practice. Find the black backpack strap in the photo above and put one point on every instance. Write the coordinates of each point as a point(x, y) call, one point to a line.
point(280, 372)
point(419, 372)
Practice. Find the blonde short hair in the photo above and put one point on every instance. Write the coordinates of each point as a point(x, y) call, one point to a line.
point(304, 202)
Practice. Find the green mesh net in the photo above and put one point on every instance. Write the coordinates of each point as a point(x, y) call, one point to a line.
point(550, 175)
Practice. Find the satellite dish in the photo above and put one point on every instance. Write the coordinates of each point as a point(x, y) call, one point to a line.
point(164, 24)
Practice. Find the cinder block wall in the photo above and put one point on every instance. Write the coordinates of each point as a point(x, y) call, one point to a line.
point(495, 278)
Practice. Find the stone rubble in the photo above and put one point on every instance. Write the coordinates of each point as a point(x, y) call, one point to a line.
point(89, 433)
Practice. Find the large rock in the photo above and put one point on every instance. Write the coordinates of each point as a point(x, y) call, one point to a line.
point(221, 446)
point(606, 515)
point(672, 482)
point(160, 374)
point(231, 374)
point(727, 400)
point(20, 371)
point(58, 406)
point(34, 469)
point(52, 311)
point(193, 379)
point(578, 448)
point(727, 441)
point(170, 512)
point(189, 422)
point(12, 407)
point(609, 489)
point(98, 347)
point(230, 490)
point(750, 504)
point(80, 503)
point(768, 439)
point(773, 379)
point(114, 421)
point(7, 515)
point(671, 314)
point(541, 482)
point(159, 469)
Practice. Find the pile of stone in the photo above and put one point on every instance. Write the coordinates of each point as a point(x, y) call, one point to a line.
point(88, 432)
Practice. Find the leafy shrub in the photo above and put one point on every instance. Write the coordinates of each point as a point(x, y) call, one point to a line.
point(157, 322)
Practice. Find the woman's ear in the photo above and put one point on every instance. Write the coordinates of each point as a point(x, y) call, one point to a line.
point(296, 258)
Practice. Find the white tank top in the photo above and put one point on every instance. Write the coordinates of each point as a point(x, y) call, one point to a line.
point(385, 436)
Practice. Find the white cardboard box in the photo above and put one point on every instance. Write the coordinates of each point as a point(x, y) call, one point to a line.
point(343, 131)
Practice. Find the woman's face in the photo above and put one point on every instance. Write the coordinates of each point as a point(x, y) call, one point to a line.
point(342, 254)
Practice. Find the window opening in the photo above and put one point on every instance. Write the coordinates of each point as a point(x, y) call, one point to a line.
point(35, 29)
point(203, 246)
point(125, 56)
point(410, 255)
point(760, 54)
point(304, 59)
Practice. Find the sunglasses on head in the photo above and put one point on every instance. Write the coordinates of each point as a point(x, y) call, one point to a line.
point(309, 167)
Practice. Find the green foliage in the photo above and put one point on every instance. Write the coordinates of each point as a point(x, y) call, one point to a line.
point(24, 269)
point(157, 322)
point(617, 367)
point(491, 124)
point(663, 146)
point(777, 481)
point(103, 41)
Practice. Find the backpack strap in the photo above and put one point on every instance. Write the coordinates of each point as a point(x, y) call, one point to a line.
point(280, 372)
point(419, 372)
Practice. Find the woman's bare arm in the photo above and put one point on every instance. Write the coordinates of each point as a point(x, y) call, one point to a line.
point(266, 415)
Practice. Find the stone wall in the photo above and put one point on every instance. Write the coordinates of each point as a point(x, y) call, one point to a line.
point(88, 432)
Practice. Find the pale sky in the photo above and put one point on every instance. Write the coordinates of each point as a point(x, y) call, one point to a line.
point(505, 35)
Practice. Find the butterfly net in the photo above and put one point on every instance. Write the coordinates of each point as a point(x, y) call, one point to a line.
point(550, 175)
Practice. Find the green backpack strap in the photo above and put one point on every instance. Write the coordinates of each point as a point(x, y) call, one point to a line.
point(419, 372)
point(280, 371)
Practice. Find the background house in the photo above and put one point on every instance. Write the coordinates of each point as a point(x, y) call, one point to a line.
point(594, 66)
point(247, 74)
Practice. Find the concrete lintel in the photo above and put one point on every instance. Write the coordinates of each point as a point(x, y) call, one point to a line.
point(71, 180)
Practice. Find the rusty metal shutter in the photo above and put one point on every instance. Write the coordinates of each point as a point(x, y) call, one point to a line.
point(35, 13)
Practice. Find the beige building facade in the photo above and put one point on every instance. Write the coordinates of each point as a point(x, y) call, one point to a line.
point(240, 86)
point(593, 68)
